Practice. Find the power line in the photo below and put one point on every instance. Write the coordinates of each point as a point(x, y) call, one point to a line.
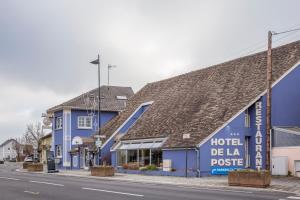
point(262, 46)
point(291, 30)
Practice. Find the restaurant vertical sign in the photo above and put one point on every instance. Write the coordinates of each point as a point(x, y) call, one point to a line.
point(258, 135)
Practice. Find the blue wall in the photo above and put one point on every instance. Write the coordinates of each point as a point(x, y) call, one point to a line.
point(105, 150)
point(58, 134)
point(105, 117)
point(75, 131)
point(133, 119)
point(237, 131)
point(285, 100)
point(178, 158)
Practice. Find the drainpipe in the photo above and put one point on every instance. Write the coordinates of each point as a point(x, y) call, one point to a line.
point(186, 162)
point(198, 162)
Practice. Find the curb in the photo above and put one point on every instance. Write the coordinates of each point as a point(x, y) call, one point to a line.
point(155, 182)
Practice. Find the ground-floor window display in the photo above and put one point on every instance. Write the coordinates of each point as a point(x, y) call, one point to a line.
point(140, 153)
point(140, 157)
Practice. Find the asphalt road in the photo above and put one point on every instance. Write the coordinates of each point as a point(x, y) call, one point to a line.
point(24, 186)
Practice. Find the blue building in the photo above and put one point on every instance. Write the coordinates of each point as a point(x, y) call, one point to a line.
point(75, 121)
point(209, 121)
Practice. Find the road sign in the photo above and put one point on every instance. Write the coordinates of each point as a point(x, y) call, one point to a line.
point(98, 143)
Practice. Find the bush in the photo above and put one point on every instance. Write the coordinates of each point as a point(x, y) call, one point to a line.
point(149, 167)
point(143, 169)
point(251, 170)
point(131, 166)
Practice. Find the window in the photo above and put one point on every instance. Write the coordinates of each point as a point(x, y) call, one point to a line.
point(84, 122)
point(121, 155)
point(58, 151)
point(144, 157)
point(156, 157)
point(121, 97)
point(247, 119)
point(247, 152)
point(58, 123)
point(132, 156)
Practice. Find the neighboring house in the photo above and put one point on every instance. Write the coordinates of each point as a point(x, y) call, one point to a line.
point(286, 151)
point(8, 150)
point(76, 120)
point(45, 147)
point(209, 121)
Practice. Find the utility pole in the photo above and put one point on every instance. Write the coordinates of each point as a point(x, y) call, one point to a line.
point(99, 97)
point(269, 101)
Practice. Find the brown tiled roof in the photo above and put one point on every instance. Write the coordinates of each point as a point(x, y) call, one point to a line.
point(201, 101)
point(109, 101)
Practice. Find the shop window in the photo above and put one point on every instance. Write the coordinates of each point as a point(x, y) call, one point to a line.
point(156, 157)
point(132, 156)
point(144, 157)
point(121, 155)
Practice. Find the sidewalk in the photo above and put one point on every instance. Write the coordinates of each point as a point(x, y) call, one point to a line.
point(282, 184)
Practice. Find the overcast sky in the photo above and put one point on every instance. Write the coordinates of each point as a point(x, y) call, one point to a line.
point(46, 46)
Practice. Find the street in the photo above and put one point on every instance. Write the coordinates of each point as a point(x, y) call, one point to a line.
point(23, 186)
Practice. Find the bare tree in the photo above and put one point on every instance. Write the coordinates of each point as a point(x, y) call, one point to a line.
point(33, 134)
point(17, 146)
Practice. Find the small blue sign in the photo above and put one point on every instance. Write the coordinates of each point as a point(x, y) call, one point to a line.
point(222, 170)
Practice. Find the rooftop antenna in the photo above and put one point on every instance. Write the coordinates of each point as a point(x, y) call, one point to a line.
point(109, 67)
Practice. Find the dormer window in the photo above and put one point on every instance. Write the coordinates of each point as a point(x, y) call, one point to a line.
point(121, 97)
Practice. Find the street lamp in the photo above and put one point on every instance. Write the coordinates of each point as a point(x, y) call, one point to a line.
point(97, 62)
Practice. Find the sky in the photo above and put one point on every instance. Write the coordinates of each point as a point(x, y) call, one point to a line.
point(46, 46)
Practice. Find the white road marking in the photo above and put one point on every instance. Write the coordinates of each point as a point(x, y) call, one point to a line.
point(30, 192)
point(293, 197)
point(115, 192)
point(47, 183)
point(215, 189)
point(8, 178)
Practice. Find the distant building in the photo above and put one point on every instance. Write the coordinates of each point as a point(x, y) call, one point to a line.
point(209, 121)
point(76, 120)
point(286, 151)
point(45, 147)
point(8, 150)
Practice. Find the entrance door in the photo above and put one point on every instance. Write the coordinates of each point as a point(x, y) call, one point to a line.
point(280, 165)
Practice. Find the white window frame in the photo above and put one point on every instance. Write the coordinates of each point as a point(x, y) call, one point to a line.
point(82, 122)
point(58, 147)
point(58, 123)
point(247, 152)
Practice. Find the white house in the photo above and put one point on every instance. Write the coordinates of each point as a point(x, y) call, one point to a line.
point(7, 151)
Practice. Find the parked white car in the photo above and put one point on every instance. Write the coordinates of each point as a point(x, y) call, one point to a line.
point(28, 159)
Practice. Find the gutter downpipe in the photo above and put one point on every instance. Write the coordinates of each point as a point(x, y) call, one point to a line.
point(198, 162)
